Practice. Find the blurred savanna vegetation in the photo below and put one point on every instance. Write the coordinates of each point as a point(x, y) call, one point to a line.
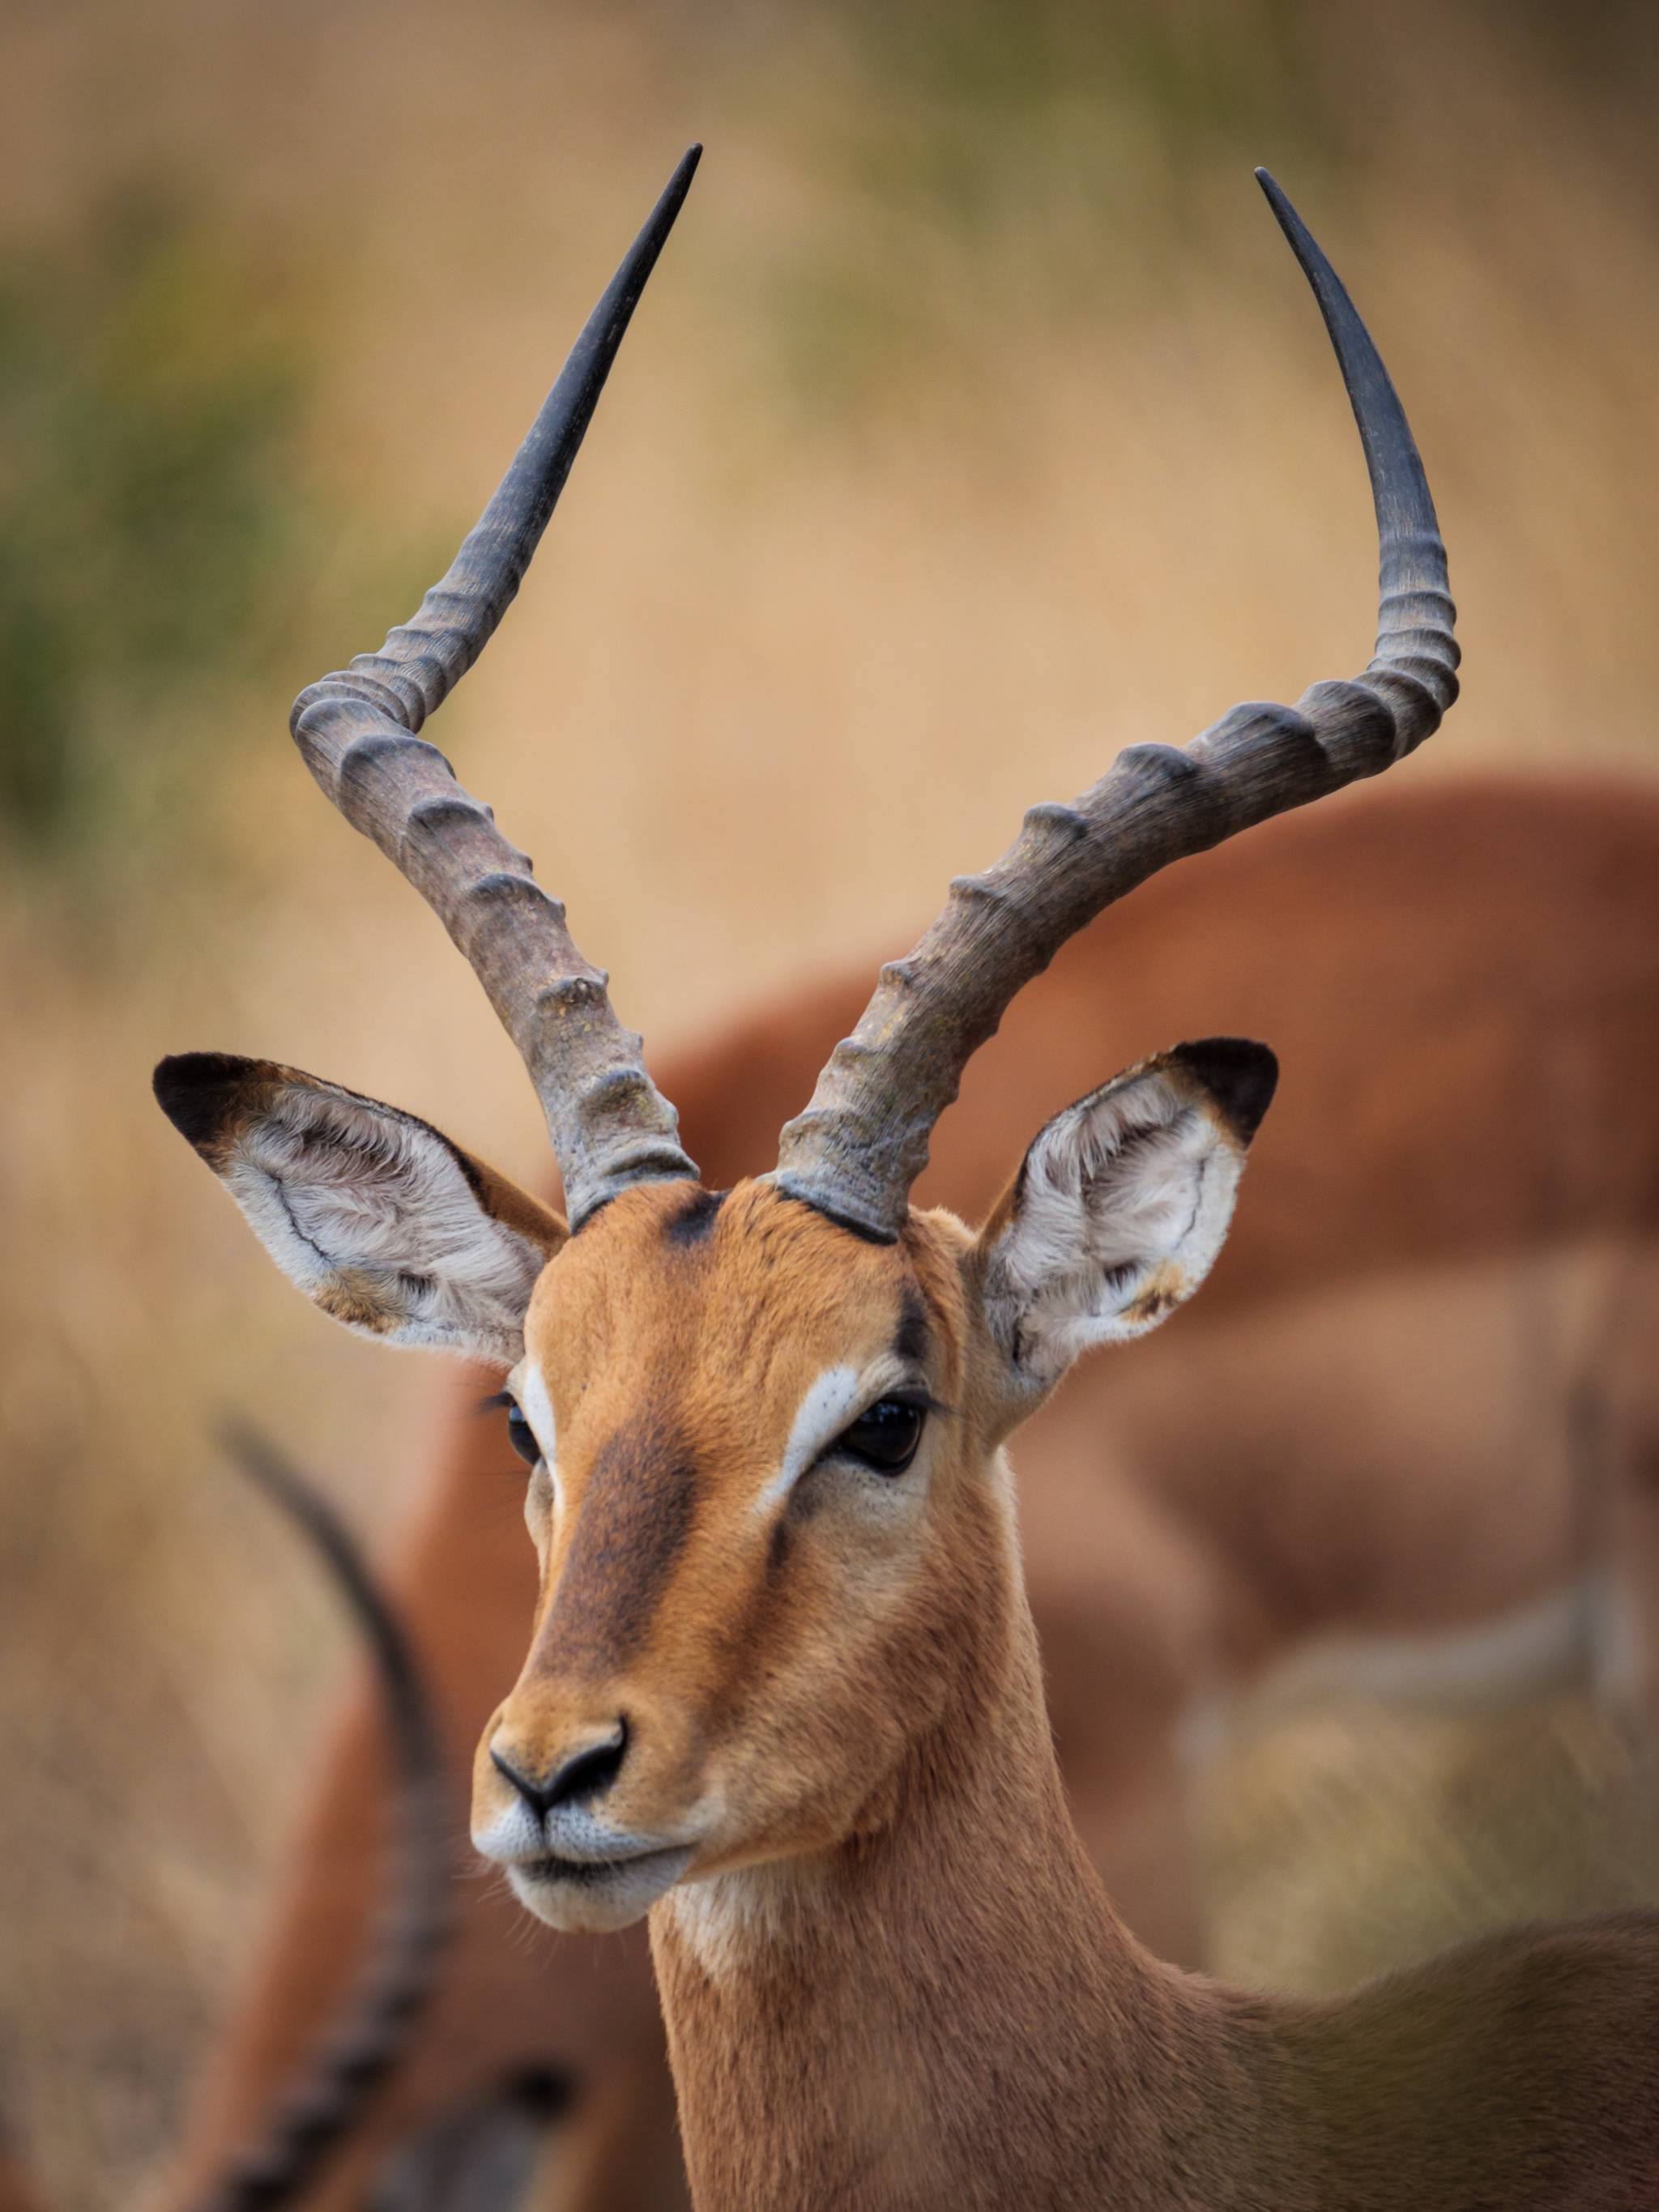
point(977, 425)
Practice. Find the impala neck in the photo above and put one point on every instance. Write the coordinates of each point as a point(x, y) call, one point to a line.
point(949, 2014)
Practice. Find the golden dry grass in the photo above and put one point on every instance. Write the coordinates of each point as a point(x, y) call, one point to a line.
point(976, 426)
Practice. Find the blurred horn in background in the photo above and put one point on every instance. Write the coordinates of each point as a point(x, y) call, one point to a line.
point(367, 2043)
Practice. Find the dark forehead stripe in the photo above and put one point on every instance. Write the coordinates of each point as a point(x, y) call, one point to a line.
point(690, 1223)
point(910, 1343)
point(635, 1516)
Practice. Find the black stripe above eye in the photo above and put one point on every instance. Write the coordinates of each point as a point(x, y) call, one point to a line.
point(910, 1344)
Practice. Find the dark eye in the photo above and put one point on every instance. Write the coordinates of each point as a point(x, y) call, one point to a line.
point(523, 1436)
point(884, 1438)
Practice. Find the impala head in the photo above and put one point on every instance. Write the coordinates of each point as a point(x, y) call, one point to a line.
point(762, 1427)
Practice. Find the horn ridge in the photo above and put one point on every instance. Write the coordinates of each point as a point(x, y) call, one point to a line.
point(357, 731)
point(327, 2099)
point(1415, 612)
point(855, 1151)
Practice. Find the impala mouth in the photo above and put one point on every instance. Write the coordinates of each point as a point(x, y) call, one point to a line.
point(589, 1873)
point(596, 1893)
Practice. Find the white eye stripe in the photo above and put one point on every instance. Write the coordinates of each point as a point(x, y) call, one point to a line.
point(830, 1403)
point(833, 1403)
point(537, 1406)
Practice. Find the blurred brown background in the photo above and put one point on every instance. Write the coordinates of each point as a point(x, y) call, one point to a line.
point(976, 425)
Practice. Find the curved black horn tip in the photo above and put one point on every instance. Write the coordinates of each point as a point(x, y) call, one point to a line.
point(1355, 350)
point(275, 1474)
point(1398, 482)
point(1302, 240)
point(259, 1460)
point(637, 264)
point(678, 185)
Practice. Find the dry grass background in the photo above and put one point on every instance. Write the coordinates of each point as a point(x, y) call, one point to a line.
point(977, 425)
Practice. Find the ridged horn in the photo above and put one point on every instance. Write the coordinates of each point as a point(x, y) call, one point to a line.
point(357, 730)
point(861, 1143)
point(338, 2080)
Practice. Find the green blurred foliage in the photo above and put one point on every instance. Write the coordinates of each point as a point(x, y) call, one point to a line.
point(1023, 139)
point(152, 513)
point(1012, 99)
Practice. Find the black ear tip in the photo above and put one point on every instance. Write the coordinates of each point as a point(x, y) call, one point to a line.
point(1239, 1074)
point(198, 1090)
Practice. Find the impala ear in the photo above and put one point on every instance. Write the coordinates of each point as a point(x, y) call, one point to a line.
point(1121, 1206)
point(378, 1218)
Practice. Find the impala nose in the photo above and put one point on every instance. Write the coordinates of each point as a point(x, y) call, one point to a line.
point(577, 1779)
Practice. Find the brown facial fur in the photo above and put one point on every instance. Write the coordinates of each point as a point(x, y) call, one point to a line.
point(735, 1635)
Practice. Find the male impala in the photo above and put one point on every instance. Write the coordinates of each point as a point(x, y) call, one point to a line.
point(1438, 940)
point(783, 1689)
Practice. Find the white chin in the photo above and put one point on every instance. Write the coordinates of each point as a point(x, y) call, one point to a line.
point(594, 1900)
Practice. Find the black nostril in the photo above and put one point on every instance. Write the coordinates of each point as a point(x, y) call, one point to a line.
point(530, 1791)
point(587, 1774)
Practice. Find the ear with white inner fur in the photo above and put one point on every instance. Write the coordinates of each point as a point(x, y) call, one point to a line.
point(1121, 1206)
point(378, 1218)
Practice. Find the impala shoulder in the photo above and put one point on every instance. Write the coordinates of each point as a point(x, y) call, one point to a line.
point(1479, 2031)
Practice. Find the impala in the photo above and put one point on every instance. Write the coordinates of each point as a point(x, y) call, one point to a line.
point(1458, 1247)
point(783, 1692)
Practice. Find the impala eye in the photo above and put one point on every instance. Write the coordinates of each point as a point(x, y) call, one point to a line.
point(523, 1436)
point(884, 1438)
